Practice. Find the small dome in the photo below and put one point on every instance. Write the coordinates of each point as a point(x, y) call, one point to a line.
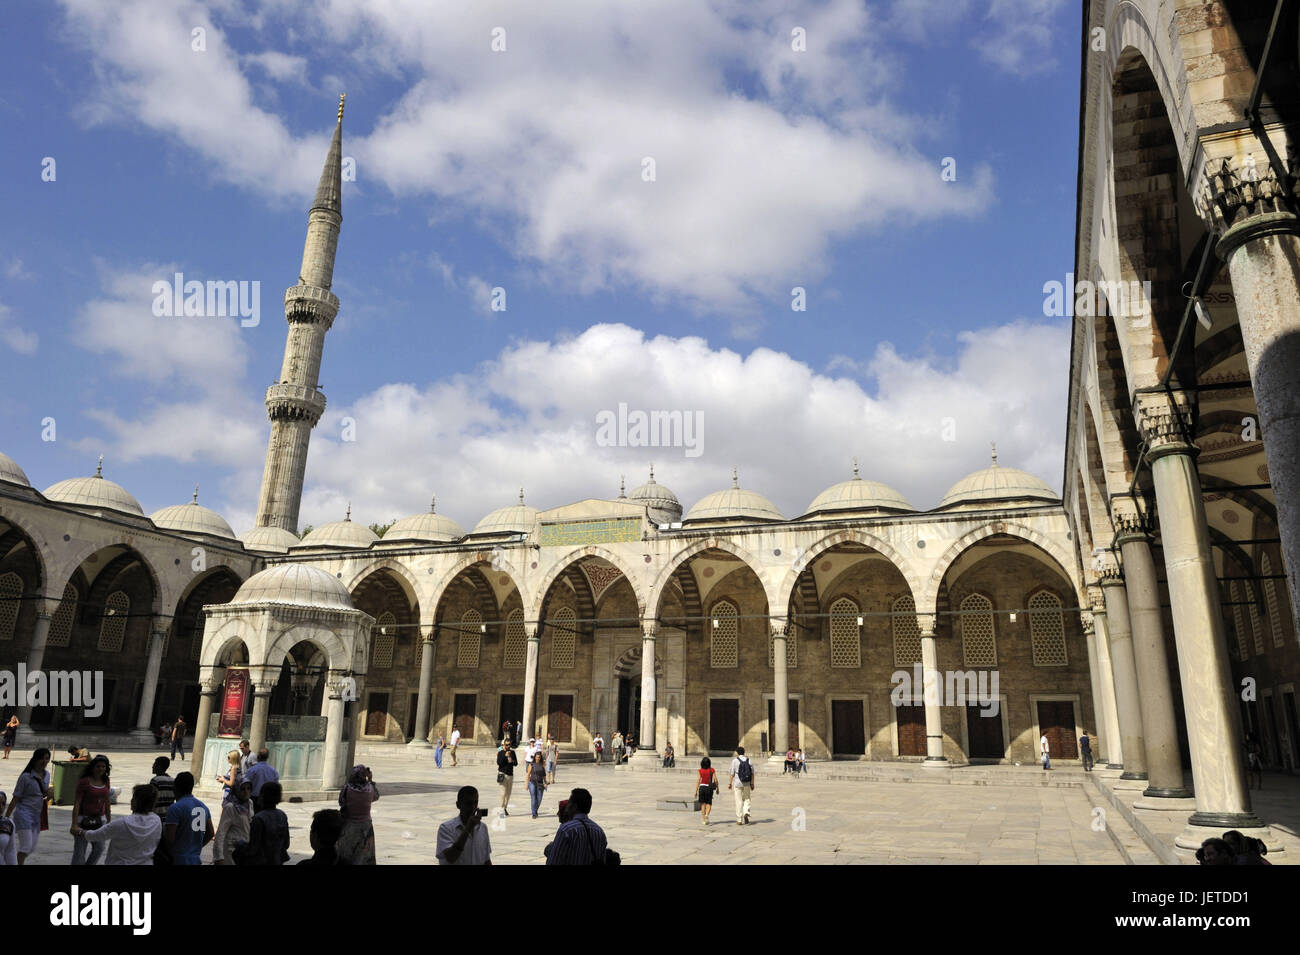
point(342, 533)
point(513, 519)
point(858, 495)
point(997, 484)
point(94, 492)
point(663, 506)
point(294, 584)
point(733, 503)
point(192, 518)
point(272, 540)
point(11, 472)
point(424, 527)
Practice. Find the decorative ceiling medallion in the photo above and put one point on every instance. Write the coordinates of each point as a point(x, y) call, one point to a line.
point(1231, 517)
point(599, 577)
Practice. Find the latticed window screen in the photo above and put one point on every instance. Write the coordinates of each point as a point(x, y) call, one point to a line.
point(196, 641)
point(61, 622)
point(563, 638)
point(978, 643)
point(791, 648)
point(1270, 596)
point(724, 639)
point(516, 647)
point(469, 639)
point(11, 592)
point(1238, 619)
point(419, 650)
point(383, 643)
point(1256, 622)
point(1047, 630)
point(907, 635)
point(846, 642)
point(112, 629)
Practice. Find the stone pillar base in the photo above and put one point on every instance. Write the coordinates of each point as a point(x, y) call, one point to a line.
point(1108, 772)
point(644, 759)
point(419, 744)
point(1113, 766)
point(1166, 804)
point(1190, 839)
point(936, 762)
point(1123, 785)
point(1132, 775)
point(144, 734)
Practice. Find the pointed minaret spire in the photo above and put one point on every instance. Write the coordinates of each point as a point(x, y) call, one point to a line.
point(295, 403)
point(195, 498)
point(99, 468)
point(994, 445)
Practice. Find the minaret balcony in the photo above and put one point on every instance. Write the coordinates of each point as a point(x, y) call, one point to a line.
point(309, 303)
point(291, 401)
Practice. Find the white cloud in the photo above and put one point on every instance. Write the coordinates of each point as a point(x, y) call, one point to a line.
point(15, 337)
point(14, 270)
point(1017, 35)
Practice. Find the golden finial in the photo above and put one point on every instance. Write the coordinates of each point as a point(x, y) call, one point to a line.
point(342, 97)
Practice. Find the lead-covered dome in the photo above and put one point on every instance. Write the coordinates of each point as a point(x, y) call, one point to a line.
point(660, 502)
point(731, 504)
point(430, 526)
point(94, 492)
point(342, 533)
point(855, 496)
point(998, 484)
point(192, 518)
point(11, 472)
point(514, 519)
point(269, 540)
point(299, 584)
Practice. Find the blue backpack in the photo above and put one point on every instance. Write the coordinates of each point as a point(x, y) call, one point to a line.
point(745, 772)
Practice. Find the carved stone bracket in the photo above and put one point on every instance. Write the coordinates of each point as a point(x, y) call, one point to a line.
point(1162, 419)
point(1235, 191)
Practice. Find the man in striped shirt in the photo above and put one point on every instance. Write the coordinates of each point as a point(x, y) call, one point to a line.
point(579, 841)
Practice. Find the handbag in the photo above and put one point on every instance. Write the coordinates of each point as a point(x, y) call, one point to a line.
point(501, 778)
point(90, 823)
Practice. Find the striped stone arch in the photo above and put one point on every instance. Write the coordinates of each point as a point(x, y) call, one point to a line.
point(406, 579)
point(712, 543)
point(439, 590)
point(1128, 32)
point(929, 600)
point(790, 579)
point(562, 564)
point(164, 595)
point(42, 553)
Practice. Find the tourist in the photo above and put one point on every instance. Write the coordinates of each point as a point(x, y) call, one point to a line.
point(437, 751)
point(356, 843)
point(616, 745)
point(506, 763)
point(519, 733)
point(132, 839)
point(268, 832)
point(528, 753)
point(236, 818)
point(742, 773)
point(536, 781)
point(789, 762)
point(1254, 763)
point(28, 807)
point(8, 839)
point(90, 809)
point(11, 731)
point(233, 773)
point(507, 731)
point(562, 813)
point(552, 757)
point(178, 738)
point(463, 839)
point(580, 841)
point(163, 735)
point(1246, 850)
point(326, 827)
point(670, 757)
point(165, 785)
point(247, 758)
point(1215, 852)
point(455, 743)
point(705, 787)
point(1085, 751)
point(187, 827)
point(1044, 750)
point(598, 747)
point(78, 754)
point(800, 761)
point(260, 774)
point(629, 747)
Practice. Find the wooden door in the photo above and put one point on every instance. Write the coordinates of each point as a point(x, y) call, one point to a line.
point(793, 736)
point(560, 721)
point(377, 715)
point(1056, 722)
point(911, 730)
point(984, 733)
point(724, 725)
point(410, 715)
point(847, 735)
point(463, 710)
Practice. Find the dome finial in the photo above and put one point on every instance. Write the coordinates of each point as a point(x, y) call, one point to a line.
point(195, 498)
point(521, 495)
point(652, 473)
point(99, 468)
point(995, 453)
point(735, 480)
point(433, 504)
point(622, 487)
point(348, 515)
point(342, 97)
point(855, 470)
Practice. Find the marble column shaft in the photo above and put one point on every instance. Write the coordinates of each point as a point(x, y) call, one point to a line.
point(1128, 711)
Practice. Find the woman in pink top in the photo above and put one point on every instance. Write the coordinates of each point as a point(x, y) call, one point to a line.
point(90, 810)
point(356, 845)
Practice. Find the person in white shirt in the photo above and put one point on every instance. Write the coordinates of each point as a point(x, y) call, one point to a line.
point(1043, 749)
point(742, 783)
point(455, 742)
point(131, 839)
point(463, 839)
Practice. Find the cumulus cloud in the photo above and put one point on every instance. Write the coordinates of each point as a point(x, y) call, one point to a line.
point(1017, 35)
point(14, 336)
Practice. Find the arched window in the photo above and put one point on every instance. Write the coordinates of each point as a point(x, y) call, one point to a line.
point(846, 638)
point(907, 634)
point(564, 638)
point(61, 622)
point(382, 645)
point(1270, 597)
point(979, 647)
point(1047, 630)
point(469, 639)
point(112, 629)
point(515, 651)
point(724, 635)
point(1238, 619)
point(11, 600)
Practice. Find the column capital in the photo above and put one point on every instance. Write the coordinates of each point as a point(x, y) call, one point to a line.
point(1096, 599)
point(1087, 621)
point(1239, 195)
point(927, 623)
point(46, 605)
point(210, 683)
point(649, 631)
point(778, 628)
point(1162, 420)
point(1129, 525)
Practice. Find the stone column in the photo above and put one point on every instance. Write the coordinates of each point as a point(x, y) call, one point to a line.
point(149, 692)
point(1209, 698)
point(421, 738)
point(780, 690)
point(1108, 722)
point(261, 711)
point(933, 694)
point(356, 688)
point(1156, 697)
point(1088, 623)
point(645, 739)
point(45, 608)
point(530, 681)
point(1128, 712)
point(1260, 243)
point(210, 682)
point(334, 773)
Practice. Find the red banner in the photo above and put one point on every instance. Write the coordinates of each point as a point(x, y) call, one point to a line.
point(232, 704)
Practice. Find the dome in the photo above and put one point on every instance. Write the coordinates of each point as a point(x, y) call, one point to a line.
point(11, 472)
point(425, 527)
point(342, 533)
point(734, 503)
point(662, 504)
point(94, 492)
point(275, 540)
point(514, 519)
point(294, 584)
point(858, 495)
point(997, 484)
point(192, 518)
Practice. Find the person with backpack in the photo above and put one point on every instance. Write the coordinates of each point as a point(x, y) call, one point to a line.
point(742, 784)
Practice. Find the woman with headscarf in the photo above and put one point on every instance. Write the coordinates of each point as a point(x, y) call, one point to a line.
point(236, 818)
point(27, 807)
point(356, 845)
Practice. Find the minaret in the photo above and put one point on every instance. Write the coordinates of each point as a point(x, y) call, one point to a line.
point(294, 404)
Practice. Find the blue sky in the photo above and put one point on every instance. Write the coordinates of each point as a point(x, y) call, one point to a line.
point(522, 169)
